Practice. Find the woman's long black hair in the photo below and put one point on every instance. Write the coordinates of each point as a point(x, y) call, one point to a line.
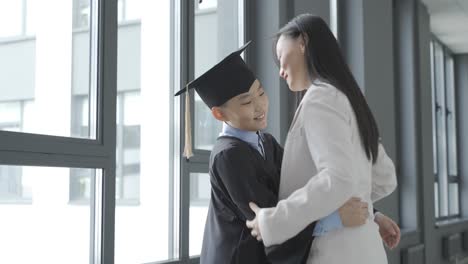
point(326, 63)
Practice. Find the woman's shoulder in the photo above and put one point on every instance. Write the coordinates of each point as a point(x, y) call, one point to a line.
point(326, 93)
point(326, 98)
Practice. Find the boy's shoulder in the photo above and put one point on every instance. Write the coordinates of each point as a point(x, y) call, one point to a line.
point(230, 151)
point(269, 139)
point(233, 144)
point(268, 136)
point(229, 146)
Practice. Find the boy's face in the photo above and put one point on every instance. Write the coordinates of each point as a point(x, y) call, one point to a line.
point(247, 111)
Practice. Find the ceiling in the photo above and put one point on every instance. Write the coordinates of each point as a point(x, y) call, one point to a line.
point(449, 22)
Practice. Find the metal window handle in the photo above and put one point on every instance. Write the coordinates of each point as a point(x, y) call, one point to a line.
point(448, 112)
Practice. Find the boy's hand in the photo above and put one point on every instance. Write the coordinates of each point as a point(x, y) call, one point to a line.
point(388, 229)
point(354, 212)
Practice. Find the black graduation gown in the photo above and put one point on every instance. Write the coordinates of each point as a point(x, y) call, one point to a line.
point(239, 175)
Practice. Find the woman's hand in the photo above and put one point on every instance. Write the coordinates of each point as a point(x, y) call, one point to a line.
point(388, 229)
point(253, 224)
point(354, 212)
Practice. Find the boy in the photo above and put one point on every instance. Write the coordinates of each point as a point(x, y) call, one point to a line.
point(245, 166)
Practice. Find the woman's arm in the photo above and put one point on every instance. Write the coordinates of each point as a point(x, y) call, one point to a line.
point(328, 135)
point(388, 229)
point(384, 179)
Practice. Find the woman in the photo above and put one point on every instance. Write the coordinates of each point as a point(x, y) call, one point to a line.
point(332, 150)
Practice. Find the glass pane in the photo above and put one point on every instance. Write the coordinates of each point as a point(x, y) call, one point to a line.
point(80, 124)
point(32, 11)
point(11, 18)
point(454, 208)
point(47, 228)
point(10, 116)
point(128, 146)
point(436, 199)
point(207, 128)
point(451, 117)
point(441, 121)
point(80, 184)
point(120, 8)
point(200, 193)
point(14, 186)
point(144, 222)
point(132, 9)
point(46, 63)
point(207, 4)
point(434, 110)
point(217, 28)
point(334, 17)
point(129, 11)
point(81, 14)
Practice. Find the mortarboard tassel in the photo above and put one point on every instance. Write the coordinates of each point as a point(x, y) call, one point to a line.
point(188, 153)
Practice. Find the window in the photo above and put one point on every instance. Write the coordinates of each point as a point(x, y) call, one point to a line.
point(218, 32)
point(128, 146)
point(199, 188)
point(12, 185)
point(446, 185)
point(206, 4)
point(29, 42)
point(334, 17)
point(80, 185)
point(127, 153)
point(16, 19)
point(81, 14)
point(30, 231)
point(200, 193)
point(11, 115)
point(128, 11)
point(71, 125)
point(217, 27)
point(52, 60)
point(145, 215)
point(11, 14)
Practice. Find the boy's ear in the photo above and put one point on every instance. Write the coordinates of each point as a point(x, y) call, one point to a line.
point(218, 114)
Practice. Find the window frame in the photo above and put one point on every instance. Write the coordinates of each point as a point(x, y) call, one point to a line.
point(200, 161)
point(27, 149)
point(78, 101)
point(443, 184)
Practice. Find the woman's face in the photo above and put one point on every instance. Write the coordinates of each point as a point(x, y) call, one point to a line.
point(292, 62)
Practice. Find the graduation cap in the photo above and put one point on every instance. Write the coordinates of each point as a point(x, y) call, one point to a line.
point(225, 80)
